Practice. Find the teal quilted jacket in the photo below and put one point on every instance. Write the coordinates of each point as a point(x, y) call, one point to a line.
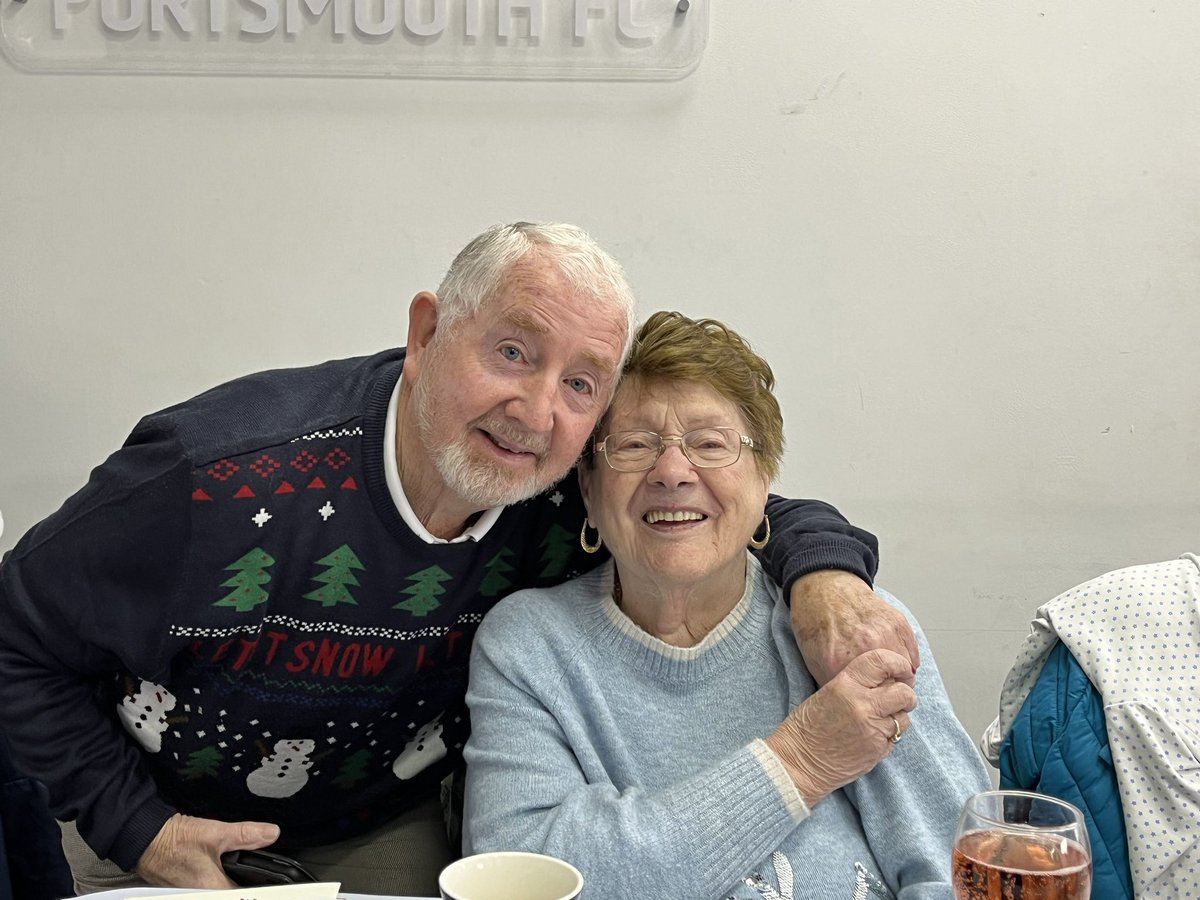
point(1058, 745)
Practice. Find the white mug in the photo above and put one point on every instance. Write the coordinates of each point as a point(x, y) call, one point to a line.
point(510, 875)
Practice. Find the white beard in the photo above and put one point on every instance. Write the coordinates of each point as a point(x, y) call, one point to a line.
point(477, 482)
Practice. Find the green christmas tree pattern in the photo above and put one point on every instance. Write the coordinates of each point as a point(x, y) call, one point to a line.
point(558, 544)
point(336, 578)
point(203, 762)
point(494, 583)
point(353, 770)
point(251, 575)
point(426, 588)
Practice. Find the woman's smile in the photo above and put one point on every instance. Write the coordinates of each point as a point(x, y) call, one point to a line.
point(656, 516)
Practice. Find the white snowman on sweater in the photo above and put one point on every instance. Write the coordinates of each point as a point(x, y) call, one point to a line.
point(144, 711)
point(284, 771)
point(422, 751)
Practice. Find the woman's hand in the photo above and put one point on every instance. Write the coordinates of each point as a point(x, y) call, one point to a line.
point(186, 852)
point(836, 617)
point(845, 728)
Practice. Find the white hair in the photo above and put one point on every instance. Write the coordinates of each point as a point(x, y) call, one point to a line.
point(478, 271)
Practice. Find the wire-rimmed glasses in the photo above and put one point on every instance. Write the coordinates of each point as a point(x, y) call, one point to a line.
point(713, 447)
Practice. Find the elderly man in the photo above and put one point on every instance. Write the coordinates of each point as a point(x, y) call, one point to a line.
point(251, 627)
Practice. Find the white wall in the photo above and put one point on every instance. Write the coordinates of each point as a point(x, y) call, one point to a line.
point(967, 235)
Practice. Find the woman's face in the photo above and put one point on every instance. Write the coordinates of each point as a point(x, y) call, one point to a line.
point(720, 508)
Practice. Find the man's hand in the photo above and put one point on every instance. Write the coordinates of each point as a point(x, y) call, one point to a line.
point(186, 852)
point(836, 617)
point(845, 728)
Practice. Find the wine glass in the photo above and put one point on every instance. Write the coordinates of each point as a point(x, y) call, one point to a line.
point(1021, 844)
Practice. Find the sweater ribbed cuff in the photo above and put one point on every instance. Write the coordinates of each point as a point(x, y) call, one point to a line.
point(783, 783)
point(140, 829)
point(746, 818)
point(842, 555)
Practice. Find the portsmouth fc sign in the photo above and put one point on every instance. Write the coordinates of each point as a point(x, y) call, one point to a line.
point(543, 39)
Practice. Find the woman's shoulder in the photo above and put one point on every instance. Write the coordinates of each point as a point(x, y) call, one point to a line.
point(536, 634)
point(930, 677)
point(532, 612)
point(892, 600)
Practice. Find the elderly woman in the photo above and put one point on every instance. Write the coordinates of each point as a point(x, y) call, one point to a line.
point(652, 721)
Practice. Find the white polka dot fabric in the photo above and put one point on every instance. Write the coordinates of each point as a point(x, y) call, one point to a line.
point(1136, 632)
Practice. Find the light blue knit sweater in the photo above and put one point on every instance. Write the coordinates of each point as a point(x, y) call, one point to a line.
point(643, 765)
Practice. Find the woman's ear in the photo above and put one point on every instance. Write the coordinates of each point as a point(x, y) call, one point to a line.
point(584, 471)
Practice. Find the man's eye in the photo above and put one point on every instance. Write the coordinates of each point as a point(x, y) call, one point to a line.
point(579, 385)
point(512, 354)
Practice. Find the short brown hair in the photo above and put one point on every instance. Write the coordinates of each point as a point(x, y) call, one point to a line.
point(671, 347)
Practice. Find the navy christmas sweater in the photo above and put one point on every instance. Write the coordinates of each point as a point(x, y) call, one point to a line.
point(231, 619)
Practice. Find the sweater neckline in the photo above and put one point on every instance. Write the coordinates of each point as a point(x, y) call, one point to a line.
point(740, 632)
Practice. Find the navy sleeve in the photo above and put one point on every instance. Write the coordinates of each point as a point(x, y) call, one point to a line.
point(83, 596)
point(808, 535)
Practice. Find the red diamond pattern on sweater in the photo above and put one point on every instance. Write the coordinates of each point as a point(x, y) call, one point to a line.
point(304, 461)
point(224, 470)
point(336, 458)
point(265, 465)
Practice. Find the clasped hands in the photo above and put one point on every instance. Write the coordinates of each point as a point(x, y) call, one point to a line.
point(864, 654)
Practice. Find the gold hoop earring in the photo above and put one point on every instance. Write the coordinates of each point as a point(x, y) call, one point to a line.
point(759, 543)
point(583, 542)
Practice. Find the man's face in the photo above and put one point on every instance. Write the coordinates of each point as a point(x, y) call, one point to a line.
point(506, 400)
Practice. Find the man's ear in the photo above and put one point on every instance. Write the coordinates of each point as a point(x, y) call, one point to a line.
point(422, 325)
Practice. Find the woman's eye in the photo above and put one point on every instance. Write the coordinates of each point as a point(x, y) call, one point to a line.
point(579, 385)
point(512, 354)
